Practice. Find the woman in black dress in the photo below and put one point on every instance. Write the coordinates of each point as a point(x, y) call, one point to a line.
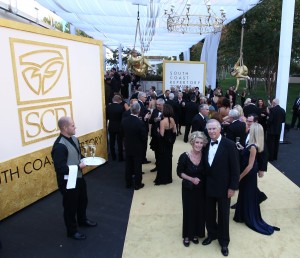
point(190, 169)
point(167, 136)
point(247, 207)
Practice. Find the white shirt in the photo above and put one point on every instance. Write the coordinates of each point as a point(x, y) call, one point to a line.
point(212, 150)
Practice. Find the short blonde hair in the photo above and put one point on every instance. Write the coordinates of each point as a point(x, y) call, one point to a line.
point(197, 135)
point(239, 109)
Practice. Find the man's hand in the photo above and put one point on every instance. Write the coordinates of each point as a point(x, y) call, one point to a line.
point(230, 193)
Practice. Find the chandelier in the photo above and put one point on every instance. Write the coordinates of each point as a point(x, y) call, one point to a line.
point(192, 23)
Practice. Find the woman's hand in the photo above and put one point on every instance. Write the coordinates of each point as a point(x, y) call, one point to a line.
point(195, 180)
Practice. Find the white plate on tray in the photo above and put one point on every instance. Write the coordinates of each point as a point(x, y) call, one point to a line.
point(96, 161)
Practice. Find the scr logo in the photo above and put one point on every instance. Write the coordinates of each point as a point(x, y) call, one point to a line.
point(41, 75)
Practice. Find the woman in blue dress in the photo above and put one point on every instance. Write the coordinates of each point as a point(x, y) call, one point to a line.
point(247, 208)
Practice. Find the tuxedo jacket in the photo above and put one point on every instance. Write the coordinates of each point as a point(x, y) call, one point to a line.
point(198, 123)
point(251, 109)
point(135, 135)
point(276, 118)
point(224, 172)
point(114, 112)
point(191, 109)
point(154, 124)
point(236, 129)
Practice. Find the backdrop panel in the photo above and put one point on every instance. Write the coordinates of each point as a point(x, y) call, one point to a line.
point(44, 75)
point(181, 74)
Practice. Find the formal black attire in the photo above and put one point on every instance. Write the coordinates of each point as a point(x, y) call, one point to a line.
point(221, 175)
point(115, 85)
point(236, 129)
point(164, 157)
point(198, 123)
point(191, 109)
point(262, 119)
point(296, 113)
point(125, 86)
point(193, 198)
point(74, 200)
point(176, 109)
point(135, 136)
point(181, 113)
point(251, 109)
point(114, 113)
point(276, 118)
point(247, 207)
point(144, 111)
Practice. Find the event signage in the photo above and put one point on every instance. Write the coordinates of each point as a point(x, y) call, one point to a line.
point(182, 74)
point(44, 75)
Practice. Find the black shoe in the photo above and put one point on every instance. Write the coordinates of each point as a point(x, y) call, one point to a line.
point(88, 223)
point(224, 250)
point(146, 162)
point(138, 187)
point(207, 241)
point(77, 236)
point(154, 169)
point(143, 173)
point(262, 198)
point(128, 186)
point(186, 242)
point(195, 240)
point(233, 206)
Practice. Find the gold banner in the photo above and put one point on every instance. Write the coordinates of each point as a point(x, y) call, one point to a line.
point(26, 179)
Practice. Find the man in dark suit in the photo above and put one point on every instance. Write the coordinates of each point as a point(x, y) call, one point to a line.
point(66, 155)
point(199, 122)
point(251, 108)
point(165, 96)
point(144, 115)
point(191, 109)
point(296, 113)
point(276, 118)
point(222, 174)
point(135, 136)
point(114, 112)
point(154, 120)
point(236, 130)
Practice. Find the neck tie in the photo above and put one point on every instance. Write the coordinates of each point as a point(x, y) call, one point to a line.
point(213, 143)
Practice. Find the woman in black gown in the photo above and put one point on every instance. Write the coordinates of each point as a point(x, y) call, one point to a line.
point(167, 136)
point(190, 169)
point(247, 208)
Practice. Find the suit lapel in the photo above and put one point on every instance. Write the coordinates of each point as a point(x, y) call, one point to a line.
point(219, 152)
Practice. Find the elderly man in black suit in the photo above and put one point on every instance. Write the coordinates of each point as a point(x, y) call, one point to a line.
point(222, 174)
point(191, 109)
point(276, 118)
point(236, 130)
point(135, 136)
point(114, 112)
point(199, 120)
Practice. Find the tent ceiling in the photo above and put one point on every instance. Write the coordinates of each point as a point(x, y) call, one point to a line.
point(114, 21)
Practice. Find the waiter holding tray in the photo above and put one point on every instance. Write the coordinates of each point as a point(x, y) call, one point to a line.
point(67, 162)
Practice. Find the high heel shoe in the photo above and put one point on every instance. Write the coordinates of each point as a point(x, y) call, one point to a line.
point(186, 242)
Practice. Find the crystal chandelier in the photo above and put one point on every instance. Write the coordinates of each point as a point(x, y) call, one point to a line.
point(193, 23)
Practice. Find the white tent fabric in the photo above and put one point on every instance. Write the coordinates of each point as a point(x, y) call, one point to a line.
point(114, 21)
point(209, 55)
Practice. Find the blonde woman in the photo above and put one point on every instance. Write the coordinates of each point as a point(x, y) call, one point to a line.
point(190, 169)
point(247, 208)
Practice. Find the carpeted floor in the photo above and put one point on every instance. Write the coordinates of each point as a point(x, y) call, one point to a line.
point(148, 222)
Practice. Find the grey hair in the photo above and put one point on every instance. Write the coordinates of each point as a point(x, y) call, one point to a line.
point(276, 101)
point(160, 101)
point(142, 94)
point(197, 134)
point(234, 114)
point(171, 96)
point(211, 121)
point(135, 108)
point(203, 106)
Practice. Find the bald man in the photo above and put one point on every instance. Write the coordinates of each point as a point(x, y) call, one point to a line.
point(66, 152)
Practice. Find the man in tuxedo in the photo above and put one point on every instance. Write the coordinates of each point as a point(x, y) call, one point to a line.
point(222, 172)
point(165, 96)
point(191, 109)
point(275, 120)
point(296, 113)
point(66, 154)
point(199, 122)
point(114, 112)
point(236, 130)
point(144, 115)
point(251, 108)
point(154, 120)
point(135, 136)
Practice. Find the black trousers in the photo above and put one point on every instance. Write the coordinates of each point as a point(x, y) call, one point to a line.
point(113, 136)
point(75, 203)
point(294, 119)
point(218, 227)
point(273, 146)
point(133, 167)
point(187, 132)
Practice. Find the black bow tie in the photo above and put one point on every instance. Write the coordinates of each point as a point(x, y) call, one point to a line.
point(212, 143)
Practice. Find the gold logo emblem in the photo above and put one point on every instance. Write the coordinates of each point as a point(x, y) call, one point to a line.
point(43, 69)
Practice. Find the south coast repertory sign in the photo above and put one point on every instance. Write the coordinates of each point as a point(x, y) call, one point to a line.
point(41, 73)
point(44, 75)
